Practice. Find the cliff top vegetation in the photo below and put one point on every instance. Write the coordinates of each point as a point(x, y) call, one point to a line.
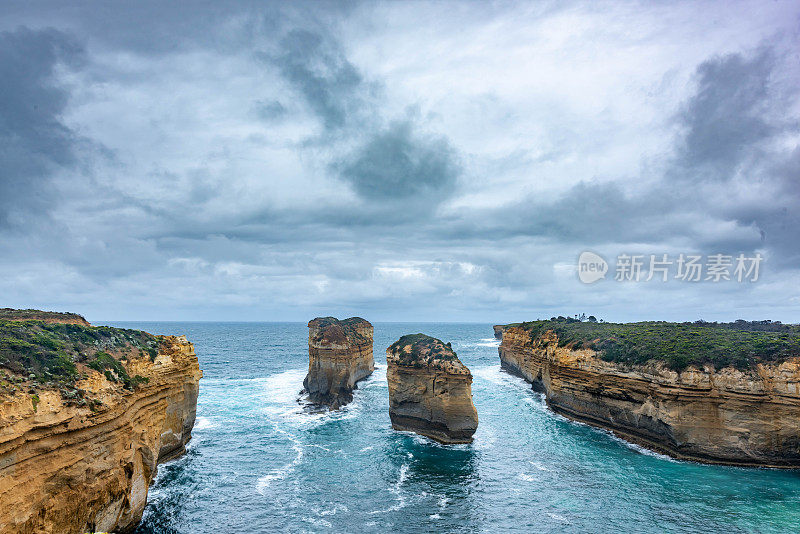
point(740, 344)
point(422, 350)
point(51, 353)
point(333, 330)
point(11, 314)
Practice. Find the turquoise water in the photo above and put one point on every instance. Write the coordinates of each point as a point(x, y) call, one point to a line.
point(257, 464)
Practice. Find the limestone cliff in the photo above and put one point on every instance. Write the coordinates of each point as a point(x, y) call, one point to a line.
point(747, 417)
point(430, 390)
point(500, 328)
point(498, 331)
point(339, 355)
point(79, 446)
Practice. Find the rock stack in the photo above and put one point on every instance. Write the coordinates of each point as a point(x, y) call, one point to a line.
point(339, 355)
point(430, 390)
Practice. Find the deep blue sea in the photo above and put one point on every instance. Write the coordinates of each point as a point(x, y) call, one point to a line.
point(257, 463)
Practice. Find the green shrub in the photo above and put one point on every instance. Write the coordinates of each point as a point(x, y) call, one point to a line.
point(115, 371)
point(422, 343)
point(740, 344)
point(49, 351)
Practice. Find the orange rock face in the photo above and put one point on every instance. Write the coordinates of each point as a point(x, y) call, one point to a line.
point(499, 329)
point(721, 416)
point(430, 390)
point(339, 355)
point(73, 469)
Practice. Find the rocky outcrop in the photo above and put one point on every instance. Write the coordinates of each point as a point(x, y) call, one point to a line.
point(430, 390)
point(10, 314)
point(725, 416)
point(339, 355)
point(81, 459)
point(500, 328)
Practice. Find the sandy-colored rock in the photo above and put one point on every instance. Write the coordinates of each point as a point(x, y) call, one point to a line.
point(721, 416)
point(66, 468)
point(339, 355)
point(430, 390)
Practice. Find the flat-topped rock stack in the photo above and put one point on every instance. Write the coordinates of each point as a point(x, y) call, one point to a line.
point(339, 355)
point(430, 390)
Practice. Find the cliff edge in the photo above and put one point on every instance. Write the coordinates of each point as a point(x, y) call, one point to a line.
point(499, 329)
point(86, 415)
point(430, 390)
point(339, 355)
point(49, 317)
point(713, 393)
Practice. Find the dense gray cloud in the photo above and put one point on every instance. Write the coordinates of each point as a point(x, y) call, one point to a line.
point(394, 164)
point(728, 116)
point(151, 28)
point(33, 139)
point(736, 126)
point(731, 117)
point(329, 83)
point(400, 161)
point(270, 110)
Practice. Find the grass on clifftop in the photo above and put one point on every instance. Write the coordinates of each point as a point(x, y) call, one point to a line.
point(12, 314)
point(740, 344)
point(48, 353)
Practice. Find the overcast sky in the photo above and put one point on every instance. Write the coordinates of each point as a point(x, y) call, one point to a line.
point(412, 161)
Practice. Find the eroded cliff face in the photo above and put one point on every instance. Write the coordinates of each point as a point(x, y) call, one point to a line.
point(339, 355)
point(67, 468)
point(430, 390)
point(722, 416)
point(498, 331)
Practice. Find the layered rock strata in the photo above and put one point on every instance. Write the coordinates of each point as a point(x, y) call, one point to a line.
point(725, 416)
point(339, 355)
point(430, 390)
point(81, 458)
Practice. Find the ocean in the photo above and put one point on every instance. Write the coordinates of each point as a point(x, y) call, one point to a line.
point(258, 463)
